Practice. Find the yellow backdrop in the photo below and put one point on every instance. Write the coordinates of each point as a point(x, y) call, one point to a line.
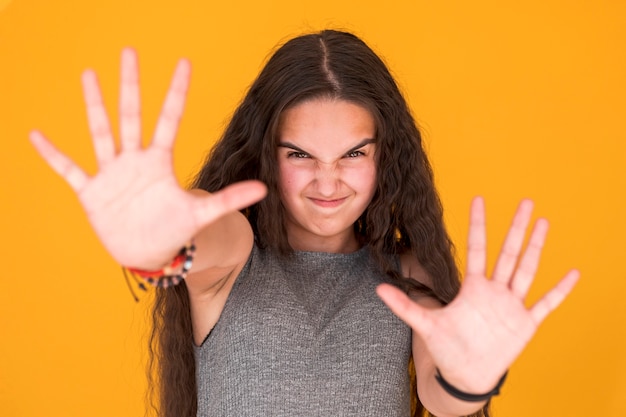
point(521, 99)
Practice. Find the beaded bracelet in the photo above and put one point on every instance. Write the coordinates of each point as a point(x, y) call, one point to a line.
point(457, 393)
point(167, 276)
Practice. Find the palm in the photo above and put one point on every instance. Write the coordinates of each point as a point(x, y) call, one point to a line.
point(475, 338)
point(134, 202)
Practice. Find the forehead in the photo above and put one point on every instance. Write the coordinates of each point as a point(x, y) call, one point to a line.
point(324, 121)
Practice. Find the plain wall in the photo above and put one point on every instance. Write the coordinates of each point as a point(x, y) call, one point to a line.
point(515, 99)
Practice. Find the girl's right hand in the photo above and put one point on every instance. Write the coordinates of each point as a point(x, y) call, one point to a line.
point(134, 202)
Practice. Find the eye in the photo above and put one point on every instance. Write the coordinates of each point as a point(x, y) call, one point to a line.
point(354, 154)
point(297, 155)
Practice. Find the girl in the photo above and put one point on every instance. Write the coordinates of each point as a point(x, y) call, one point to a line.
point(315, 210)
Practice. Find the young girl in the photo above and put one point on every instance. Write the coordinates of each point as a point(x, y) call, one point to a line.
point(315, 267)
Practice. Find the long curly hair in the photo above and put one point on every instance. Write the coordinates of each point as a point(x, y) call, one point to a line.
point(405, 214)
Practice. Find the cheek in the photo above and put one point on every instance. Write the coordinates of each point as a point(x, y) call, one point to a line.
point(362, 179)
point(291, 179)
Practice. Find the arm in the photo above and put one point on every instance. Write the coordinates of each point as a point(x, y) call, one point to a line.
point(223, 248)
point(134, 202)
point(430, 393)
point(475, 339)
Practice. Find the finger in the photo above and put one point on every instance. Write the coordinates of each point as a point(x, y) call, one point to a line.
point(406, 309)
point(103, 142)
point(60, 163)
point(232, 198)
point(173, 106)
point(554, 297)
point(477, 239)
point(527, 268)
point(513, 243)
point(130, 106)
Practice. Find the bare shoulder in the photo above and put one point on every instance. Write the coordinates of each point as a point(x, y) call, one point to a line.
point(223, 249)
point(412, 268)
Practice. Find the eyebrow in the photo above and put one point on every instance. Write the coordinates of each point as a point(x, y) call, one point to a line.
point(354, 148)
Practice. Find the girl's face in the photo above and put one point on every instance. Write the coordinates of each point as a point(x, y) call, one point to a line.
point(327, 172)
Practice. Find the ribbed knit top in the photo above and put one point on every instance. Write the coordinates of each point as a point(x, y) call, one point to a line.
point(305, 336)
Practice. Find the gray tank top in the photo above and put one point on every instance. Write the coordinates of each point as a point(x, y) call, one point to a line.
point(305, 336)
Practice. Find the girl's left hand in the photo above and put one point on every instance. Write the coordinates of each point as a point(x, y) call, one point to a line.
point(475, 339)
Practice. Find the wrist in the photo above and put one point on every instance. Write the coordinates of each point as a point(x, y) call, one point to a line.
point(171, 274)
point(466, 396)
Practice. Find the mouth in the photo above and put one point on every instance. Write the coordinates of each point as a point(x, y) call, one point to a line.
point(328, 203)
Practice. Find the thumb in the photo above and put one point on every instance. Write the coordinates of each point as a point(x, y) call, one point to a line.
point(235, 197)
point(407, 310)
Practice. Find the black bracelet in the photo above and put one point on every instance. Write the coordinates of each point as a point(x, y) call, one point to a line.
point(456, 393)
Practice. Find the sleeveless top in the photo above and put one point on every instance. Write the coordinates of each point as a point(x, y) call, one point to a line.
point(305, 335)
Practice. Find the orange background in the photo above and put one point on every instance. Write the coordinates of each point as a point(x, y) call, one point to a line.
point(516, 99)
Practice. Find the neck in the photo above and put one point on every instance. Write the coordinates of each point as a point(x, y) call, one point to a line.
point(337, 244)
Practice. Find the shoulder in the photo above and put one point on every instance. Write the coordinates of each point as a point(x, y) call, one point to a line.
point(413, 269)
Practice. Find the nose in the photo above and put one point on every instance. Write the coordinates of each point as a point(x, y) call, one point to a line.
point(327, 178)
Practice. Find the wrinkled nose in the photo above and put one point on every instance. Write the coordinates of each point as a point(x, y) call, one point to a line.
point(327, 179)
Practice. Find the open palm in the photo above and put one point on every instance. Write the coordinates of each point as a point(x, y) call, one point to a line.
point(134, 202)
point(476, 338)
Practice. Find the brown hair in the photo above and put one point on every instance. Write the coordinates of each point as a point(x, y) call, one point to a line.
point(405, 214)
